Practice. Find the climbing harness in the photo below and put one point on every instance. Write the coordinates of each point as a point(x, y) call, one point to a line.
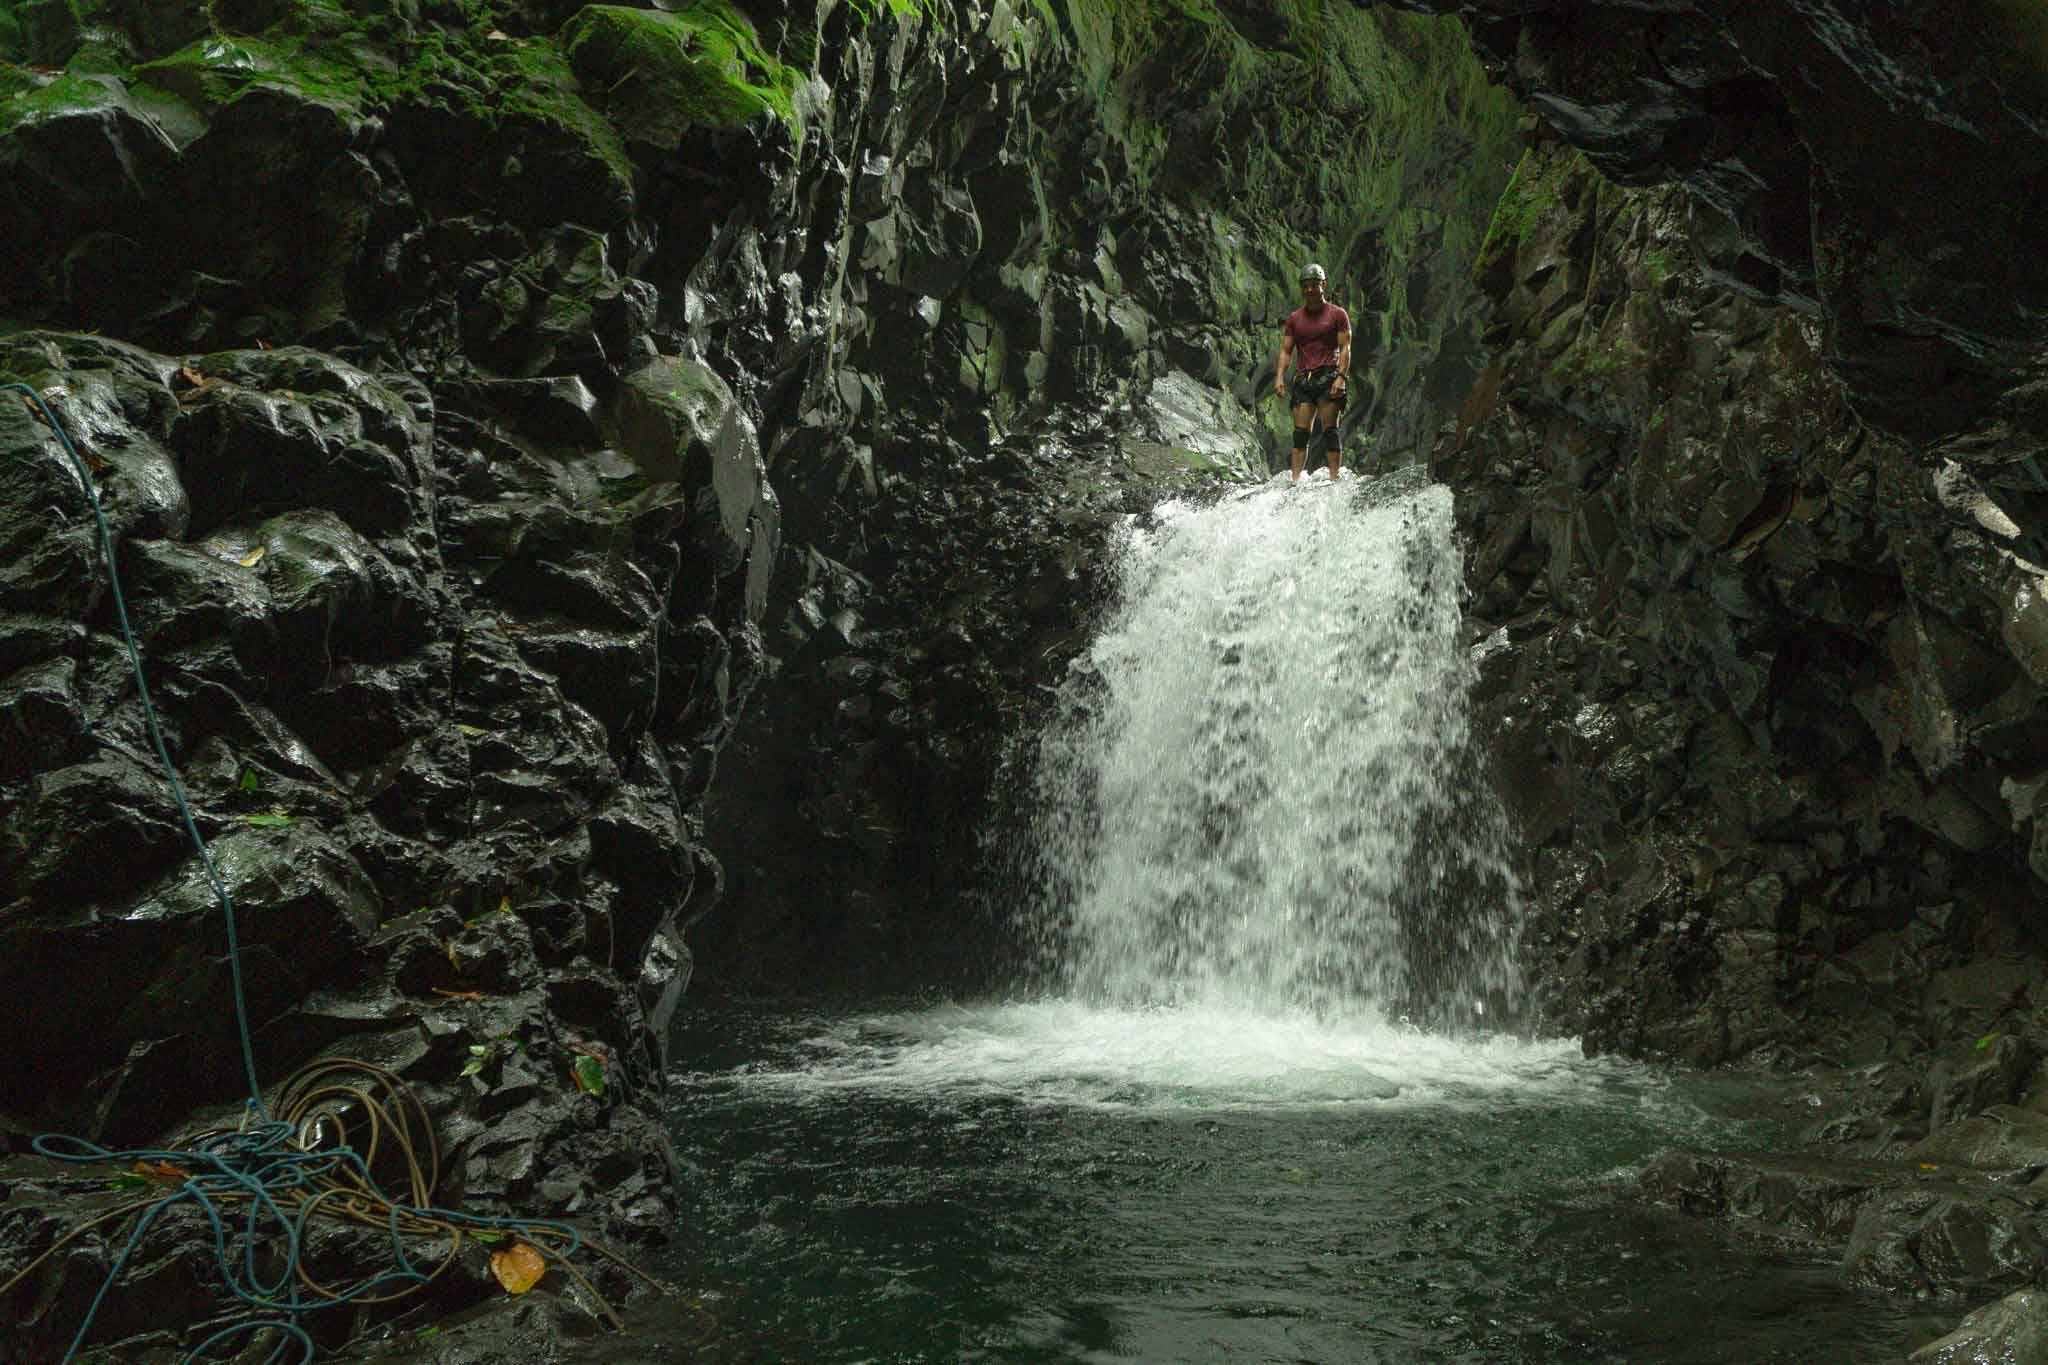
point(284, 1169)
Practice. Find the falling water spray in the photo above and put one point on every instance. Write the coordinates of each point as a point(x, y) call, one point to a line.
point(1260, 790)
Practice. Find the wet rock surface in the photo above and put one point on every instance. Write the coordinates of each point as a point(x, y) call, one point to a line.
point(1015, 319)
point(412, 676)
point(555, 449)
point(1875, 167)
point(491, 404)
point(1754, 675)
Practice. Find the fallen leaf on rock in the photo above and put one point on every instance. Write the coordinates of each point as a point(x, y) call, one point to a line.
point(202, 384)
point(162, 1170)
point(248, 561)
point(267, 821)
point(518, 1267)
point(459, 995)
point(449, 945)
point(472, 729)
point(589, 1073)
point(505, 905)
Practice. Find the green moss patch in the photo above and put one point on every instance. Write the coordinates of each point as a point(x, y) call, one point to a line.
point(478, 71)
point(662, 75)
point(217, 71)
point(1536, 185)
point(67, 94)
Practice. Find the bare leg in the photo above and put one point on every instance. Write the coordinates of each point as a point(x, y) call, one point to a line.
point(1302, 413)
point(1332, 438)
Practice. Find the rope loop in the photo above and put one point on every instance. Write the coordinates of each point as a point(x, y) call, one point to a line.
point(282, 1171)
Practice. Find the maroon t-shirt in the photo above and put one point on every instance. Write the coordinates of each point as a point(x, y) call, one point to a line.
point(1315, 336)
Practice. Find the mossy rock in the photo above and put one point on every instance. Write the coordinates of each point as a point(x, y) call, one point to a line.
point(496, 82)
point(666, 75)
point(215, 72)
point(97, 35)
point(63, 97)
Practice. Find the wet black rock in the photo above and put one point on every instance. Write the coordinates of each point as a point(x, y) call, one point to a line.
point(2013, 1328)
point(1756, 672)
point(442, 803)
point(1874, 167)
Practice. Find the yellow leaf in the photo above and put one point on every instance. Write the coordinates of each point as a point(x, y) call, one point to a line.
point(453, 960)
point(505, 906)
point(518, 1267)
point(498, 35)
point(248, 561)
point(1927, 1166)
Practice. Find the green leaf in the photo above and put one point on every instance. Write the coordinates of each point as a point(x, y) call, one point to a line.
point(589, 1074)
point(125, 1181)
point(1986, 1041)
point(249, 782)
point(472, 730)
point(428, 1331)
point(266, 821)
point(479, 1049)
point(476, 1064)
point(483, 1236)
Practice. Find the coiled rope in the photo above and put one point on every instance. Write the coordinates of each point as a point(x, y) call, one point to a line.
point(284, 1171)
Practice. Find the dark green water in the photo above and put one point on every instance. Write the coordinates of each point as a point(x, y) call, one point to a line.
point(1051, 1183)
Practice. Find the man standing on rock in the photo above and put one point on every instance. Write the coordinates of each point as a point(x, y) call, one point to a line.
point(1318, 337)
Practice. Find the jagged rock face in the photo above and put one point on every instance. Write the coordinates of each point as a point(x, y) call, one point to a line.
point(1879, 165)
point(467, 381)
point(1763, 691)
point(437, 694)
point(1756, 515)
point(910, 242)
point(1005, 290)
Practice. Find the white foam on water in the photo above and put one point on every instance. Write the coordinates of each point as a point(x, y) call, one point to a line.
point(1261, 838)
point(1072, 1053)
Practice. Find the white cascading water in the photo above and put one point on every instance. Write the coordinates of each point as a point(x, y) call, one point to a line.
point(1260, 793)
point(1261, 843)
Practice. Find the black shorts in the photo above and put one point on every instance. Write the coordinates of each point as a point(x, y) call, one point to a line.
point(1313, 387)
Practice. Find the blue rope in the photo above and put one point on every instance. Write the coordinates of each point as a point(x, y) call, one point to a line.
point(264, 1161)
point(156, 738)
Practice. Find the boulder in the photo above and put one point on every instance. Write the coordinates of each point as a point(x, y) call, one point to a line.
point(2015, 1328)
point(680, 423)
point(665, 75)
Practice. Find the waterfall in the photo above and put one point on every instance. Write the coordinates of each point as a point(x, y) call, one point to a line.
point(1259, 791)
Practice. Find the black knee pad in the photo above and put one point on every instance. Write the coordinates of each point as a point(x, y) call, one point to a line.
point(1301, 438)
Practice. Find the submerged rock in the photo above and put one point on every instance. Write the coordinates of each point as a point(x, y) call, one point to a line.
point(2014, 1329)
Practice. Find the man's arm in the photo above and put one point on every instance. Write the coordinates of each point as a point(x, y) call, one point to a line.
point(1343, 359)
point(1280, 365)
